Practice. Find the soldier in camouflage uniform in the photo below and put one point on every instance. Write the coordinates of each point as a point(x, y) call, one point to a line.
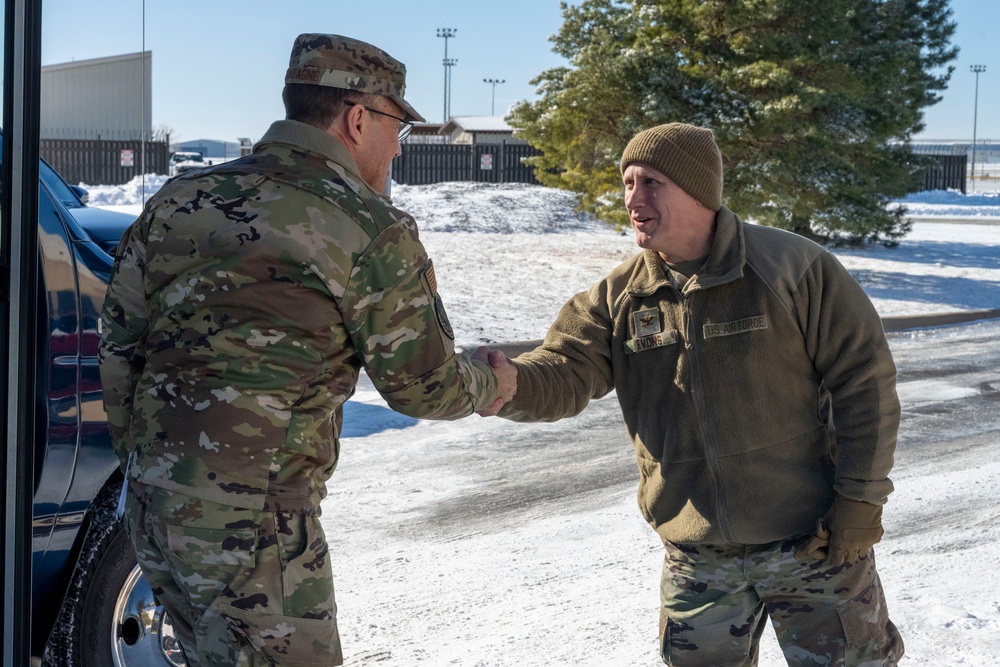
point(243, 303)
point(758, 390)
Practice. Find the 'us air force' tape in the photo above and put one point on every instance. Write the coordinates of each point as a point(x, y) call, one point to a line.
point(745, 325)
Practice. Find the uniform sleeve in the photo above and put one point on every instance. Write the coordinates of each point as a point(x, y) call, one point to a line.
point(123, 330)
point(398, 324)
point(845, 339)
point(572, 366)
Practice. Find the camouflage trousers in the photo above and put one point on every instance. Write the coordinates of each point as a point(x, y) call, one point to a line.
point(715, 600)
point(242, 587)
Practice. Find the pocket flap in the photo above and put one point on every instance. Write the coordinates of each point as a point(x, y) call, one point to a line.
point(864, 617)
point(287, 640)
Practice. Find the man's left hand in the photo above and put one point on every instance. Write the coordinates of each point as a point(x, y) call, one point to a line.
point(846, 534)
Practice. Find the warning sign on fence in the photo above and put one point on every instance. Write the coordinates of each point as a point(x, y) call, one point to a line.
point(486, 161)
point(128, 157)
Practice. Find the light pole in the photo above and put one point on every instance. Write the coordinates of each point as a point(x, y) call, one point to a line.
point(977, 70)
point(447, 33)
point(493, 97)
point(448, 64)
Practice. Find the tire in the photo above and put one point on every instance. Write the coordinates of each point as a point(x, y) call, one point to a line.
point(109, 617)
point(120, 622)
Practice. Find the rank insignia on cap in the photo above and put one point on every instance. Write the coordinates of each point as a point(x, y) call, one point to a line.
point(647, 322)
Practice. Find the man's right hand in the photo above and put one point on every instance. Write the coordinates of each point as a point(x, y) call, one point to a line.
point(505, 374)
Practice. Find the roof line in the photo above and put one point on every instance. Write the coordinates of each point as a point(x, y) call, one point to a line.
point(96, 61)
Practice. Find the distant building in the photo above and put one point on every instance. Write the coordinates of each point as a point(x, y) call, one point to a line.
point(479, 130)
point(987, 150)
point(209, 148)
point(95, 122)
point(99, 98)
point(426, 133)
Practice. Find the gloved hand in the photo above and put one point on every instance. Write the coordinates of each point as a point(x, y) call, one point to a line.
point(817, 545)
point(846, 533)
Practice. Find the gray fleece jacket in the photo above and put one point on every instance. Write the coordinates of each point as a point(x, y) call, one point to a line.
point(752, 396)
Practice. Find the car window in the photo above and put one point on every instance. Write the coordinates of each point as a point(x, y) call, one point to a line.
point(56, 185)
point(60, 189)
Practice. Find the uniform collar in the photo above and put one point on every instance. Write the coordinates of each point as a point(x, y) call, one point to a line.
point(728, 254)
point(724, 263)
point(310, 138)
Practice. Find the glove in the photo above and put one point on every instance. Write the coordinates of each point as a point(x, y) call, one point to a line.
point(846, 533)
point(817, 545)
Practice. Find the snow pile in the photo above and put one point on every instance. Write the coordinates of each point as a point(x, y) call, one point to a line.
point(493, 208)
point(130, 194)
point(951, 203)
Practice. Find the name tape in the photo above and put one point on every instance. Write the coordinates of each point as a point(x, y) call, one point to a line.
point(650, 342)
point(754, 323)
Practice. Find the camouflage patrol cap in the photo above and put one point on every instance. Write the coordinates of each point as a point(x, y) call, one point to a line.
point(342, 62)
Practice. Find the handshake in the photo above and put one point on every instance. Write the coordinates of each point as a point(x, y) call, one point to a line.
point(505, 374)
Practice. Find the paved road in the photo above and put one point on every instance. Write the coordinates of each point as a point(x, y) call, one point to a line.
point(949, 387)
point(489, 544)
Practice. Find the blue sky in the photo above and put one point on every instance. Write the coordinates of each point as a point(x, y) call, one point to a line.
point(218, 64)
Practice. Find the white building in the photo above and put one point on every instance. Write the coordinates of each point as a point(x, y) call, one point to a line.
point(99, 98)
point(480, 130)
point(209, 148)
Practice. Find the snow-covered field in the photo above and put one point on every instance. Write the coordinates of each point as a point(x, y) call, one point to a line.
point(482, 543)
point(509, 256)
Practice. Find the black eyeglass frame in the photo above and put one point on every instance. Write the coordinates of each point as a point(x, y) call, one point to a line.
point(404, 125)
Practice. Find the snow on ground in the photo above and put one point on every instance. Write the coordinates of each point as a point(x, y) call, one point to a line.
point(951, 203)
point(128, 197)
point(482, 543)
point(507, 257)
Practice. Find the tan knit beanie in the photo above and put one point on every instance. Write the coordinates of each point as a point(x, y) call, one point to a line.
point(685, 154)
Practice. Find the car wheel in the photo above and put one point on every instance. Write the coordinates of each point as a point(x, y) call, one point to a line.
point(120, 623)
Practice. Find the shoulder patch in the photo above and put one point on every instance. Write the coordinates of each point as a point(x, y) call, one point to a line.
point(442, 317)
point(431, 279)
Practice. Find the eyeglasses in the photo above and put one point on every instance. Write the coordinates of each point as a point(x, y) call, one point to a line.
point(404, 125)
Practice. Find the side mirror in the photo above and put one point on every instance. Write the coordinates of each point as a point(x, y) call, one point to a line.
point(81, 193)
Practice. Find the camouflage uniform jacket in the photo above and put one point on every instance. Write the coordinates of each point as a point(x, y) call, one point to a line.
point(242, 304)
point(726, 384)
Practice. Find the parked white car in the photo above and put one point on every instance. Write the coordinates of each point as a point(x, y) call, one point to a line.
point(182, 161)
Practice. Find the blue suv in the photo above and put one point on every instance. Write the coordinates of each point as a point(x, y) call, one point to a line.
point(90, 604)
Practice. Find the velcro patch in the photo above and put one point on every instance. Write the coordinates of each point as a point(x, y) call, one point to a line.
point(745, 325)
point(646, 322)
point(431, 279)
point(442, 317)
point(650, 342)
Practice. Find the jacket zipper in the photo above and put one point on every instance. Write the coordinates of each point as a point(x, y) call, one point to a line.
point(711, 452)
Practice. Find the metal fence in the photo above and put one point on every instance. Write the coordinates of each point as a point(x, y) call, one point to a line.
point(105, 162)
point(947, 172)
point(421, 164)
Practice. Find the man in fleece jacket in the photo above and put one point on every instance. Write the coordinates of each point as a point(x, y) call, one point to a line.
point(758, 388)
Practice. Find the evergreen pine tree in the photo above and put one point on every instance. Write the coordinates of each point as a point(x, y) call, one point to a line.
point(812, 101)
